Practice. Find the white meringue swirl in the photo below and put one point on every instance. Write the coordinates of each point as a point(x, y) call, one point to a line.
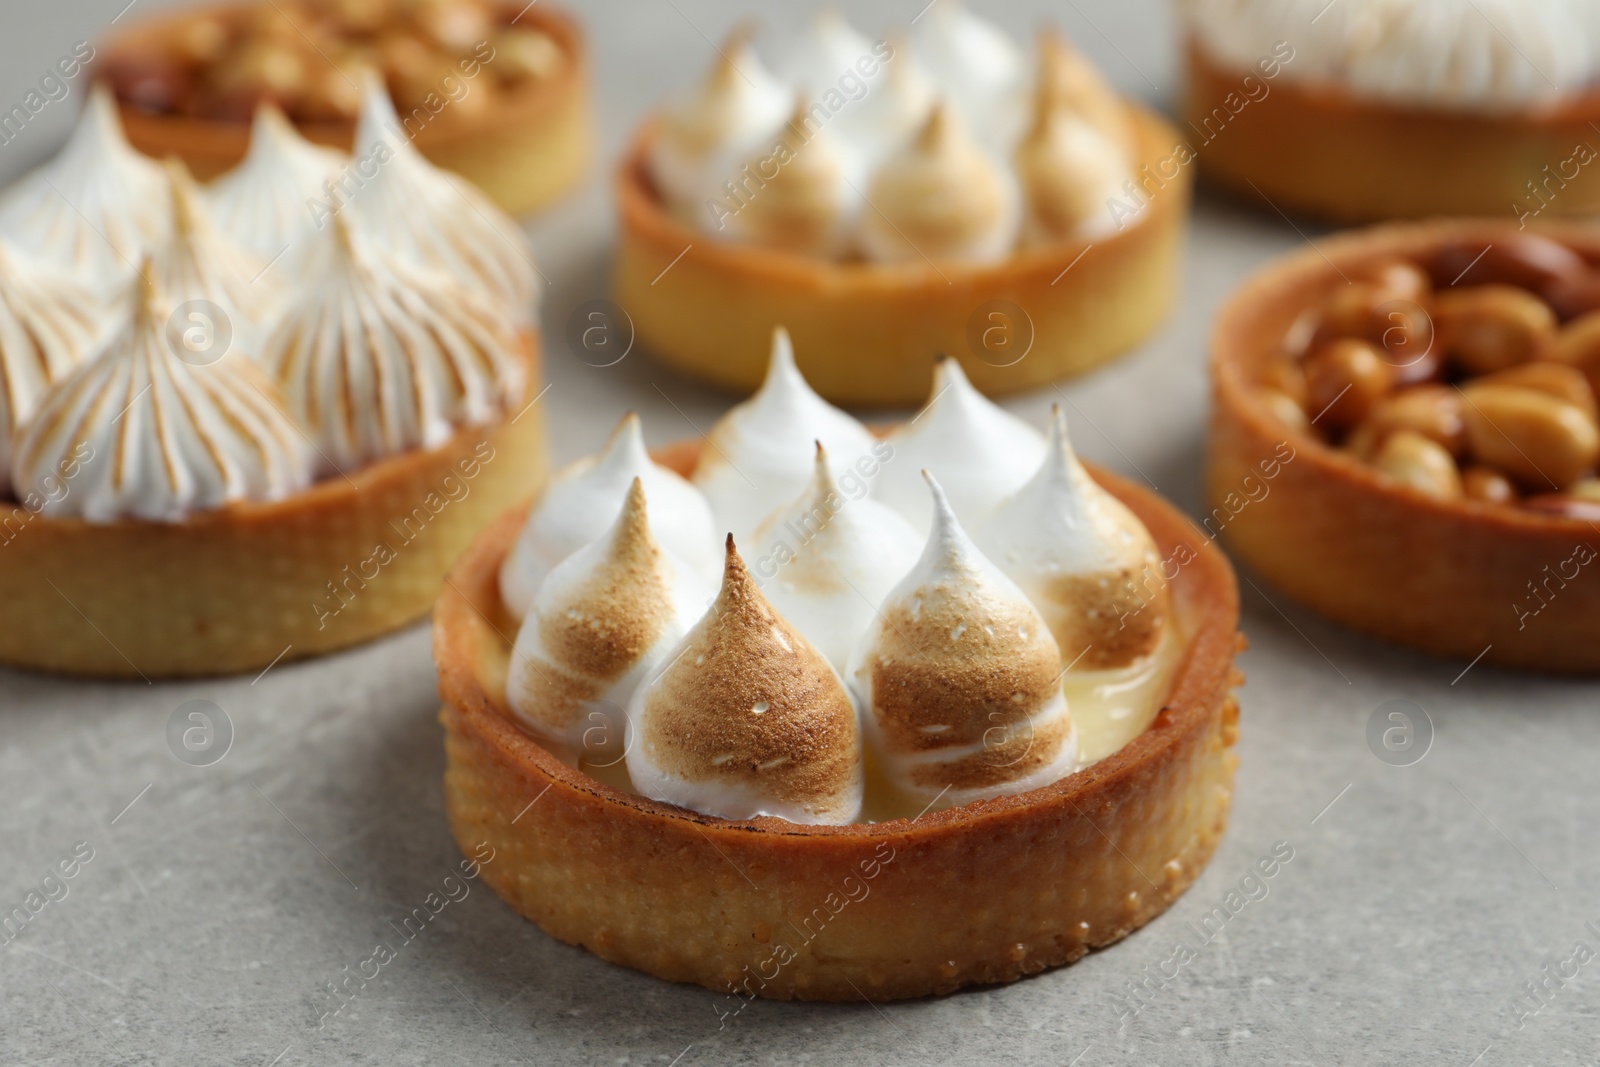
point(377, 357)
point(157, 437)
point(263, 202)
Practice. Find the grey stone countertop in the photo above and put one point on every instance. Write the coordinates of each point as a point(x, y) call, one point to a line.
point(221, 901)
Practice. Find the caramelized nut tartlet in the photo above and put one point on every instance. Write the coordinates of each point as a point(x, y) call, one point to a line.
point(1424, 398)
point(848, 757)
point(891, 201)
point(1398, 110)
point(492, 90)
point(232, 433)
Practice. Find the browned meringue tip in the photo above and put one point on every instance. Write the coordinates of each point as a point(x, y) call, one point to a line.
point(725, 72)
point(937, 131)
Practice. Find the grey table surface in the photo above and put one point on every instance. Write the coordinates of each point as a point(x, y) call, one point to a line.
point(221, 901)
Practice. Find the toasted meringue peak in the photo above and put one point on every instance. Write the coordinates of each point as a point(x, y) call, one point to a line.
point(827, 50)
point(705, 136)
point(1066, 79)
point(976, 65)
point(377, 357)
point(1069, 168)
point(980, 452)
point(759, 454)
point(810, 203)
point(602, 619)
point(137, 432)
point(941, 197)
point(896, 106)
point(1087, 562)
point(747, 718)
point(47, 326)
point(580, 502)
point(432, 218)
point(96, 208)
point(828, 559)
point(197, 261)
point(263, 202)
point(960, 681)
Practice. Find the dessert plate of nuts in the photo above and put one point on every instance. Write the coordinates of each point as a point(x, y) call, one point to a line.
point(1405, 439)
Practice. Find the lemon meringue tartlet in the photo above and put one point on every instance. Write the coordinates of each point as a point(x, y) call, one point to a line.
point(219, 458)
point(1388, 110)
point(858, 761)
point(492, 90)
point(893, 201)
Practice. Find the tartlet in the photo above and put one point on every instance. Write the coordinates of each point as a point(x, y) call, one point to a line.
point(1314, 144)
point(983, 893)
point(209, 468)
point(527, 147)
point(1444, 572)
point(870, 319)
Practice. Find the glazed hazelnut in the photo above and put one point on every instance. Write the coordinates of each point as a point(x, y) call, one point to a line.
point(1491, 327)
point(1488, 485)
point(361, 17)
point(1525, 260)
point(1575, 296)
point(1285, 410)
point(1578, 345)
point(1434, 411)
point(1348, 311)
point(1398, 279)
point(1541, 442)
point(199, 41)
point(1344, 379)
point(1288, 378)
point(261, 70)
point(1421, 463)
point(523, 53)
point(1557, 379)
point(456, 25)
point(1585, 489)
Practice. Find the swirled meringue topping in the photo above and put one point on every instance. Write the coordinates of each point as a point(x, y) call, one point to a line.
point(602, 619)
point(96, 208)
point(435, 220)
point(810, 203)
point(980, 452)
point(1085, 561)
point(941, 197)
point(47, 325)
point(826, 51)
point(975, 65)
point(1069, 163)
point(960, 681)
point(828, 559)
point(197, 262)
point(1469, 55)
point(760, 452)
point(580, 502)
point(378, 357)
point(705, 136)
point(262, 202)
point(747, 718)
point(149, 435)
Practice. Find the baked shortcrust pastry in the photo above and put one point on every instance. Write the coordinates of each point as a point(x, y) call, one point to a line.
point(1404, 436)
point(895, 201)
point(852, 759)
point(492, 90)
point(1368, 110)
point(218, 457)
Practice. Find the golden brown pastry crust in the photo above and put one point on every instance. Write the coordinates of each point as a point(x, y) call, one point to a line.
point(530, 149)
point(1317, 150)
point(981, 894)
point(869, 333)
point(1443, 576)
point(236, 588)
